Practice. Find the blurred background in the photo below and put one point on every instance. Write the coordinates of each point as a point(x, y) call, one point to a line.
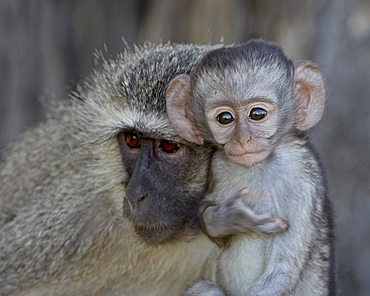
point(47, 46)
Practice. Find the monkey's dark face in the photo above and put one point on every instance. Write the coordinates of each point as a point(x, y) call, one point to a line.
point(166, 183)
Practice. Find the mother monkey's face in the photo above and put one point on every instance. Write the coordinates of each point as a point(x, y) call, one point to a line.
point(166, 176)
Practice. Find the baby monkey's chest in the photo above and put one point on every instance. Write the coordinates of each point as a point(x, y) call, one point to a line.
point(265, 188)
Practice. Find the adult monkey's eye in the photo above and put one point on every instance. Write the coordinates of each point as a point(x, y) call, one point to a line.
point(257, 114)
point(225, 118)
point(169, 147)
point(132, 140)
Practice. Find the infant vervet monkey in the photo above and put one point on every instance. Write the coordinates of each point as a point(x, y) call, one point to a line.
point(255, 106)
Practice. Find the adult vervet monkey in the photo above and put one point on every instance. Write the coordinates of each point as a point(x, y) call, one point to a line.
point(103, 197)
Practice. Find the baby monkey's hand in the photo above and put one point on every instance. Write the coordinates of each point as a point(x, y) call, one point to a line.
point(233, 216)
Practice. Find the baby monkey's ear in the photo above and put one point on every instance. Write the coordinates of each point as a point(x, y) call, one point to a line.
point(310, 94)
point(178, 99)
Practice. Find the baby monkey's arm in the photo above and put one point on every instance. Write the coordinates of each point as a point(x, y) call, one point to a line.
point(233, 216)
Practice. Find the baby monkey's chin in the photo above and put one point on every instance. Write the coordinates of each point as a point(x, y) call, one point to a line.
point(248, 158)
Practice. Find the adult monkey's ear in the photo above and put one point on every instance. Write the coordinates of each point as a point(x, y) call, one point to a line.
point(309, 93)
point(178, 99)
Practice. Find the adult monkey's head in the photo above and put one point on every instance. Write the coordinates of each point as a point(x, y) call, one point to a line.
point(164, 175)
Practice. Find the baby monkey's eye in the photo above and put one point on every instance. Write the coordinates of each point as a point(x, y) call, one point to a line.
point(225, 118)
point(257, 114)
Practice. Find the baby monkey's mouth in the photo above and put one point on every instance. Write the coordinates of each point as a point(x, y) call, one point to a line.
point(237, 154)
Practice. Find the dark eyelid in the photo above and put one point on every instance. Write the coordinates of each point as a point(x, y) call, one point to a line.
point(148, 134)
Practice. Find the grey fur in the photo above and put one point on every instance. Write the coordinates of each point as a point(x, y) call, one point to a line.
point(62, 185)
point(299, 261)
point(289, 183)
point(203, 287)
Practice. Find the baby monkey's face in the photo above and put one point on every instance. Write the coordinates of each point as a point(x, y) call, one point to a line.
point(243, 129)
